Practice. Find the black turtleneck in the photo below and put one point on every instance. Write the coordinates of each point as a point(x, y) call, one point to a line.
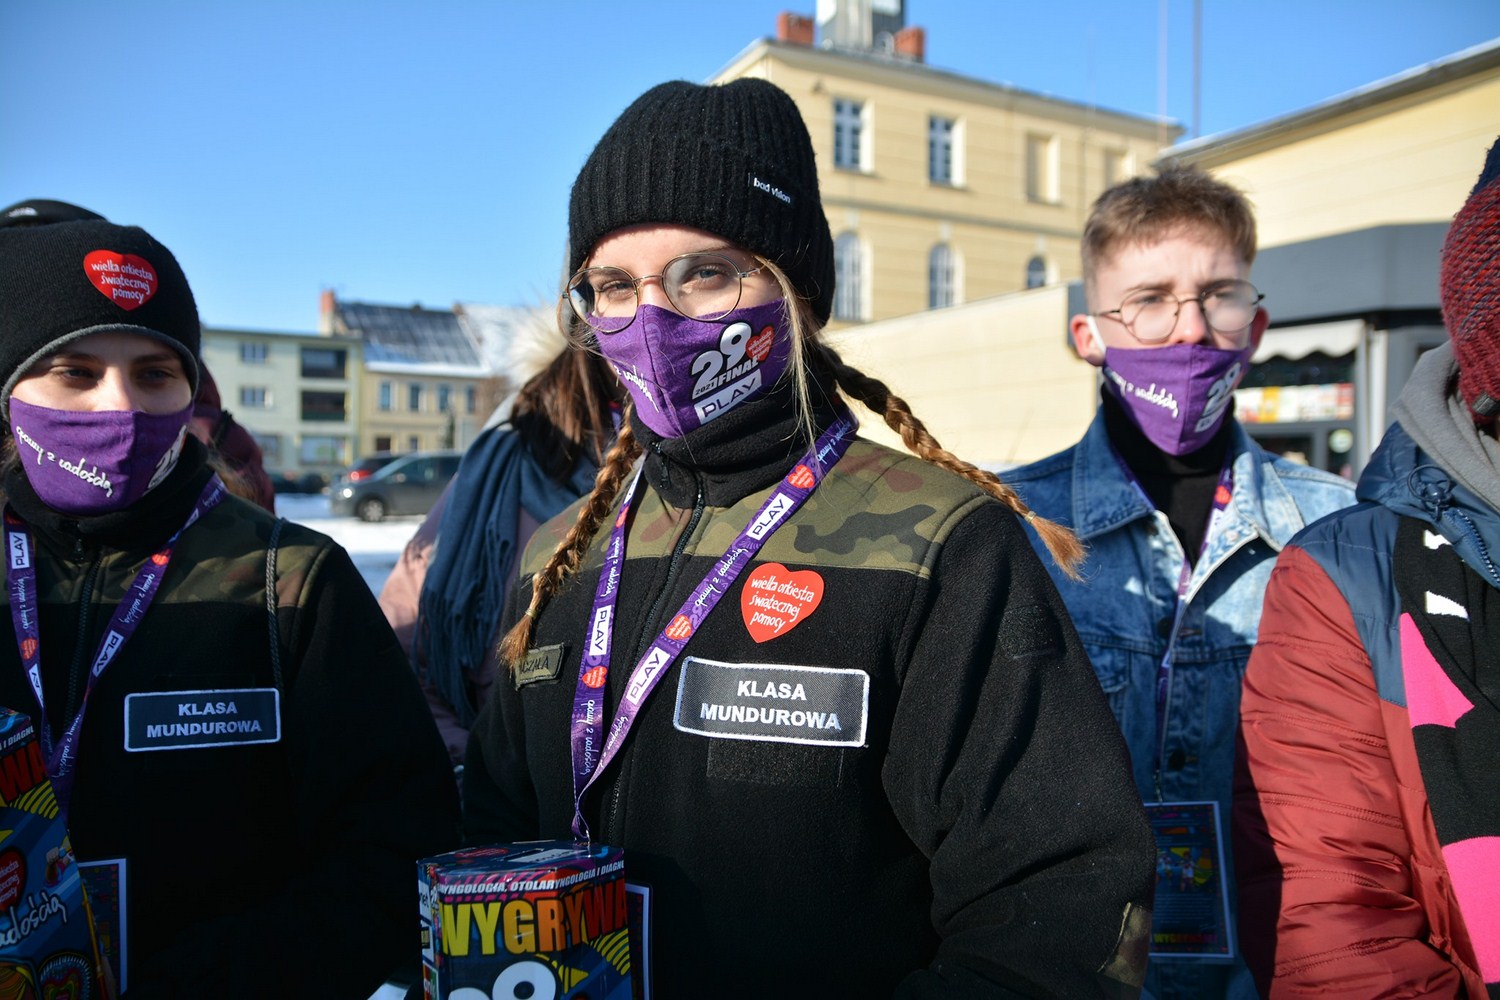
point(745, 450)
point(144, 525)
point(1180, 486)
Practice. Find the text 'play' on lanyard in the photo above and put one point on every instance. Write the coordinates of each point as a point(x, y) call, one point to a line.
point(20, 578)
point(591, 753)
point(1222, 493)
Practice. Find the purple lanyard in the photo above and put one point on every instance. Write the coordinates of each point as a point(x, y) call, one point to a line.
point(20, 577)
point(591, 754)
point(1222, 493)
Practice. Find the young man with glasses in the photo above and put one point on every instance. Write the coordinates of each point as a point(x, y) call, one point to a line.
point(1182, 514)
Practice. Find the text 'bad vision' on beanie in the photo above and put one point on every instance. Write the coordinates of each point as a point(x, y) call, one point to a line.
point(1470, 282)
point(67, 280)
point(733, 159)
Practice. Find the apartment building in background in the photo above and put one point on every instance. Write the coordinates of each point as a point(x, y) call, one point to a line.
point(1353, 196)
point(940, 188)
point(422, 375)
point(296, 393)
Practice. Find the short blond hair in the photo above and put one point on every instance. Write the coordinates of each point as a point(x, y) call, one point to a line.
point(1149, 209)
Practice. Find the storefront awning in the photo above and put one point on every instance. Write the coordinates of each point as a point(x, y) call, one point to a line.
point(1294, 342)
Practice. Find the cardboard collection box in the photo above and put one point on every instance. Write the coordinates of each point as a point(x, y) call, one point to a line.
point(47, 944)
point(547, 920)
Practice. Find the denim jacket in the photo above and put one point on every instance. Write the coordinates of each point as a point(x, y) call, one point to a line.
point(1123, 607)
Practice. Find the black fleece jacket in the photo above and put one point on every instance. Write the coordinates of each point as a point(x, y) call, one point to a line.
point(255, 870)
point(983, 839)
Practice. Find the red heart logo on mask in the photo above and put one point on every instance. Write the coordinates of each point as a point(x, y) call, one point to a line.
point(125, 279)
point(775, 600)
point(760, 344)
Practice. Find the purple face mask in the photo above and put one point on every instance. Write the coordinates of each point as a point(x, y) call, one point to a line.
point(92, 463)
point(683, 373)
point(1177, 395)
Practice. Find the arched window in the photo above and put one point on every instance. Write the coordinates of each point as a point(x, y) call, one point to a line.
point(940, 280)
point(849, 267)
point(1036, 272)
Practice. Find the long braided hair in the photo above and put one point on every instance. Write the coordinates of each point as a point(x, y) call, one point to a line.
point(808, 353)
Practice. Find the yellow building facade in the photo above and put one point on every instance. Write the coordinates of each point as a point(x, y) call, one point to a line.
point(1405, 149)
point(941, 189)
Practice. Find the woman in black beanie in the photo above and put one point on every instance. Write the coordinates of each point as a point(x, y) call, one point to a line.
point(821, 692)
point(242, 755)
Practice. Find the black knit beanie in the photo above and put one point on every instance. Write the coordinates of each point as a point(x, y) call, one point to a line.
point(43, 212)
point(66, 280)
point(733, 159)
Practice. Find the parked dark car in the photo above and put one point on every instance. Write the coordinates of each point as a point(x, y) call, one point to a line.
point(287, 481)
point(367, 467)
point(409, 485)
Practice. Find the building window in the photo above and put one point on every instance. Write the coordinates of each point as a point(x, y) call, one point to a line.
point(1043, 180)
point(414, 397)
point(1119, 165)
point(940, 277)
point(322, 406)
point(1036, 272)
point(444, 397)
point(322, 362)
point(471, 399)
point(382, 442)
point(270, 447)
point(941, 166)
point(848, 134)
point(255, 397)
point(318, 449)
point(849, 267)
point(414, 443)
point(252, 352)
point(387, 400)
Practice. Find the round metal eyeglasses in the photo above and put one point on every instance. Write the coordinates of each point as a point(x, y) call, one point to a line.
point(699, 285)
point(1151, 316)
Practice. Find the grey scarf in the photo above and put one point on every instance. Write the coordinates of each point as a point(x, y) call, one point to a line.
point(1438, 420)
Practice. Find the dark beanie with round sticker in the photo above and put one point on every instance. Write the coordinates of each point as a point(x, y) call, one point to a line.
point(733, 159)
point(66, 280)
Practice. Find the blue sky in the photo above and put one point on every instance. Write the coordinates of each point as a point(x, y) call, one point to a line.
point(404, 152)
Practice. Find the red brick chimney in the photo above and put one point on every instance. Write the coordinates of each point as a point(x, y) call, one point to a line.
point(794, 28)
point(326, 306)
point(911, 43)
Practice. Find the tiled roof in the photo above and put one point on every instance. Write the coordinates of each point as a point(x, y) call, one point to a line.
point(410, 338)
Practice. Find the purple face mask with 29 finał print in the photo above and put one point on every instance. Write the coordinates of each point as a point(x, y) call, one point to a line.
point(683, 373)
point(1177, 395)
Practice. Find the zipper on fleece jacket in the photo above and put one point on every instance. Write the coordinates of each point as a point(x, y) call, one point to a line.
point(80, 665)
point(611, 809)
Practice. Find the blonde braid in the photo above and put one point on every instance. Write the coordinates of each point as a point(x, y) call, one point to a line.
point(875, 395)
point(568, 555)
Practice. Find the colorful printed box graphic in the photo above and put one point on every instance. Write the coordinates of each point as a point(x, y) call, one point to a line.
point(546, 920)
point(46, 937)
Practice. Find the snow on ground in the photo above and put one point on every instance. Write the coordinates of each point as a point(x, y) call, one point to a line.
point(373, 547)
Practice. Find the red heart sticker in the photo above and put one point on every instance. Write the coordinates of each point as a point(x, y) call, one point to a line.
point(681, 628)
point(801, 477)
point(125, 279)
point(594, 677)
point(760, 344)
point(775, 600)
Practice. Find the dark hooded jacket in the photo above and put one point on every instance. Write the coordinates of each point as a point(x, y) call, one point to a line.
point(279, 867)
